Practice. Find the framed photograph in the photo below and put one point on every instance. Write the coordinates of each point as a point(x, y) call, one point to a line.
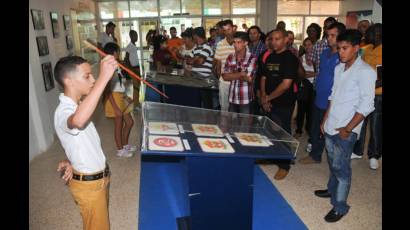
point(69, 42)
point(42, 45)
point(54, 24)
point(38, 19)
point(67, 22)
point(48, 76)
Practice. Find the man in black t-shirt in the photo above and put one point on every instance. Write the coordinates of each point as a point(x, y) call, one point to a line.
point(276, 87)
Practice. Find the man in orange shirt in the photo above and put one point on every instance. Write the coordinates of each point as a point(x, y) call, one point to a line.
point(174, 43)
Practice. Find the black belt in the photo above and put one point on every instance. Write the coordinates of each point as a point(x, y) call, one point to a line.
point(96, 176)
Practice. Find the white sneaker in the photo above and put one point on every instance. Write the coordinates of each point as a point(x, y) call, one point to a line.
point(130, 148)
point(354, 156)
point(309, 147)
point(123, 153)
point(374, 163)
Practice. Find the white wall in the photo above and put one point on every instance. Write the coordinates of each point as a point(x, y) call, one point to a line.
point(377, 12)
point(41, 103)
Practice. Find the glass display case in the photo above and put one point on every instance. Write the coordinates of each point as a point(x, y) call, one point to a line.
point(248, 135)
point(174, 76)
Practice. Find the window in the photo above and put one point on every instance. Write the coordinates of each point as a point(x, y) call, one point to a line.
point(107, 10)
point(325, 7)
point(294, 24)
point(243, 6)
point(209, 23)
point(144, 8)
point(239, 21)
point(180, 24)
point(298, 15)
point(293, 7)
point(216, 7)
point(193, 7)
point(169, 7)
point(122, 10)
point(110, 10)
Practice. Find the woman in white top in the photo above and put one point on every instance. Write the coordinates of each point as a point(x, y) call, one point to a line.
point(305, 90)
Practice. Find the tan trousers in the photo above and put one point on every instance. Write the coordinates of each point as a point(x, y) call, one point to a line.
point(92, 199)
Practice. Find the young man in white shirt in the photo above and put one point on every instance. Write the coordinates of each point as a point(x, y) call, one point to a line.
point(79, 138)
point(223, 49)
point(107, 36)
point(351, 100)
point(131, 59)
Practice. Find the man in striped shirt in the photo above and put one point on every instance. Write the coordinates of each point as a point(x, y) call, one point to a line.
point(222, 51)
point(240, 70)
point(202, 62)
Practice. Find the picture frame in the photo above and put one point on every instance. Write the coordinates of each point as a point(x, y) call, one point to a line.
point(42, 45)
point(47, 76)
point(54, 24)
point(38, 19)
point(67, 22)
point(69, 42)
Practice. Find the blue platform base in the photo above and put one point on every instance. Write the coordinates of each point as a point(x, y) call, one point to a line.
point(163, 199)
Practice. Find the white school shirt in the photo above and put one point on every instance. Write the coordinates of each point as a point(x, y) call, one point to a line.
point(352, 91)
point(82, 147)
point(104, 38)
point(133, 52)
point(222, 51)
point(307, 68)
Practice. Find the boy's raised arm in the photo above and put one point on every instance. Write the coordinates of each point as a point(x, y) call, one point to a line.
point(84, 111)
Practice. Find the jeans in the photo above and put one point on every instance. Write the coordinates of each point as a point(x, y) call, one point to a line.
point(339, 152)
point(375, 118)
point(282, 116)
point(246, 108)
point(375, 144)
point(358, 148)
point(305, 107)
point(317, 140)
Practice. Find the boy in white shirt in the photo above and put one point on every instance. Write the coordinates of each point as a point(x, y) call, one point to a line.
point(351, 100)
point(90, 179)
point(131, 59)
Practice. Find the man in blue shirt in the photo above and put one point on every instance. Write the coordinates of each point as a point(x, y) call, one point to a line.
point(351, 100)
point(324, 82)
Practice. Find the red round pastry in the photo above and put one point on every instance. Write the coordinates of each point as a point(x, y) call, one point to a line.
point(165, 142)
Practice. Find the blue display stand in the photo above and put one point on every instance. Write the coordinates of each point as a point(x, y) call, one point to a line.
point(163, 199)
point(214, 190)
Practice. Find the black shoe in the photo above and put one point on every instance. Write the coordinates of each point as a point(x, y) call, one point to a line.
point(333, 216)
point(322, 193)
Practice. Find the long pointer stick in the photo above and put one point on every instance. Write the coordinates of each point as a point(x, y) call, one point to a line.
point(126, 69)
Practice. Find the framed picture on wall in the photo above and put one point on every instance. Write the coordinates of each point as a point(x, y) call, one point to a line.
point(69, 42)
point(38, 19)
point(48, 76)
point(67, 22)
point(42, 45)
point(54, 24)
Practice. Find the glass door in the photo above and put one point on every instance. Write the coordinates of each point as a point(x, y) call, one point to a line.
point(143, 26)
